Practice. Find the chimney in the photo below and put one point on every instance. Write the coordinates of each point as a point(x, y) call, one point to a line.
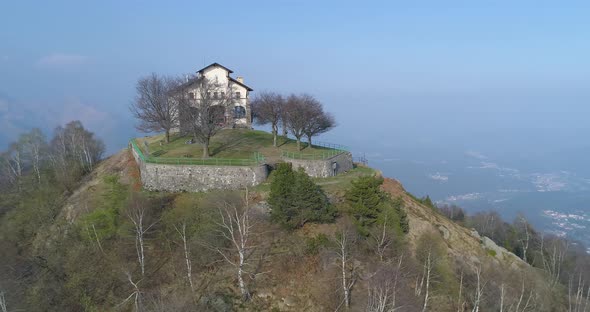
point(240, 79)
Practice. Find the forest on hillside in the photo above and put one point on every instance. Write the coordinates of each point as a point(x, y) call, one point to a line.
point(78, 233)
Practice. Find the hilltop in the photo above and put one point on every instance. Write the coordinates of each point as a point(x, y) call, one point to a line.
point(83, 233)
point(296, 269)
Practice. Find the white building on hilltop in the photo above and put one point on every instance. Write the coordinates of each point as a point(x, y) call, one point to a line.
point(232, 91)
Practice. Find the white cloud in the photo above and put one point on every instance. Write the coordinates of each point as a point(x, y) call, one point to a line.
point(61, 60)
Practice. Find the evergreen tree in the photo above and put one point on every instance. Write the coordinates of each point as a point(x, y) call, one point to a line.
point(366, 201)
point(295, 199)
point(370, 205)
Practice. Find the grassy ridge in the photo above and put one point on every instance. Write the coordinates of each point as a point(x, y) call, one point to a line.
point(231, 144)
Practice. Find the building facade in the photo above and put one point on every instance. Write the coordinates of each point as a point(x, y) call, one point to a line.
point(232, 94)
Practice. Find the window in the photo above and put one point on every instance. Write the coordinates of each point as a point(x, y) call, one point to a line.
point(191, 95)
point(223, 95)
point(215, 95)
point(238, 95)
point(239, 112)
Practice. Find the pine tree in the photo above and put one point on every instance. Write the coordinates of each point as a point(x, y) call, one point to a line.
point(295, 199)
point(370, 205)
point(366, 201)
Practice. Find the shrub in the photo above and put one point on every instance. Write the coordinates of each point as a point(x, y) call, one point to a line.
point(102, 223)
point(314, 244)
point(295, 199)
point(370, 205)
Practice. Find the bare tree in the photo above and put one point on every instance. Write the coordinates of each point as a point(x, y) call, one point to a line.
point(34, 147)
point(235, 227)
point(578, 295)
point(553, 253)
point(344, 242)
point(430, 253)
point(298, 110)
point(268, 108)
point(205, 113)
point(74, 151)
point(460, 301)
point(525, 236)
point(135, 294)
point(318, 122)
point(382, 240)
point(13, 163)
point(138, 214)
point(517, 298)
point(3, 306)
point(479, 290)
point(181, 229)
point(153, 105)
point(383, 289)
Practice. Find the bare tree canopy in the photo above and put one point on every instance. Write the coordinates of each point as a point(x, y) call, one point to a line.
point(205, 113)
point(319, 122)
point(298, 111)
point(267, 108)
point(74, 151)
point(152, 104)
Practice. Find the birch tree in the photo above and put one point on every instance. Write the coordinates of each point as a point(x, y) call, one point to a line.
point(34, 146)
point(479, 289)
point(344, 242)
point(236, 228)
point(430, 254)
point(3, 307)
point(135, 294)
point(181, 229)
point(383, 289)
point(382, 239)
point(553, 252)
point(13, 163)
point(578, 294)
point(525, 236)
point(138, 215)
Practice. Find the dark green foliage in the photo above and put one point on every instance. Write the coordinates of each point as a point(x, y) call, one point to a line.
point(401, 214)
point(314, 244)
point(366, 201)
point(102, 223)
point(295, 199)
point(369, 205)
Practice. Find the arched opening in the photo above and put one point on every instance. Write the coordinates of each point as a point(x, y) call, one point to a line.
point(239, 112)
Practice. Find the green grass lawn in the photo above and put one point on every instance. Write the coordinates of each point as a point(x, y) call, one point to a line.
point(341, 182)
point(331, 185)
point(228, 143)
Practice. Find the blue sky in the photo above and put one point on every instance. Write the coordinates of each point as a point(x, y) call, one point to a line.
point(495, 75)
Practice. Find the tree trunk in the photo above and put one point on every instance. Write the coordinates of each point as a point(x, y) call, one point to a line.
point(309, 141)
point(426, 295)
point(275, 130)
point(187, 257)
point(243, 289)
point(206, 149)
point(167, 136)
point(298, 143)
point(345, 284)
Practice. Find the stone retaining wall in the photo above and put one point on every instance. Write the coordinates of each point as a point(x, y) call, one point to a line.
point(195, 178)
point(323, 168)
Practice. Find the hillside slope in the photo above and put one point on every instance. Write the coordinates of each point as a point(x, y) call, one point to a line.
point(293, 279)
